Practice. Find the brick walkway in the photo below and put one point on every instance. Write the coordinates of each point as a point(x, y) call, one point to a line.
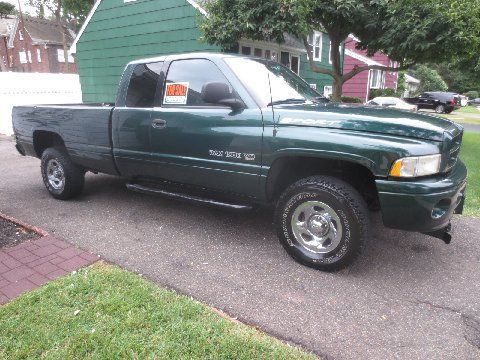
point(31, 264)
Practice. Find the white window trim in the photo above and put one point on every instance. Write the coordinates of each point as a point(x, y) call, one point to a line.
point(39, 56)
point(20, 34)
point(61, 57)
point(128, 1)
point(317, 34)
point(22, 56)
point(380, 80)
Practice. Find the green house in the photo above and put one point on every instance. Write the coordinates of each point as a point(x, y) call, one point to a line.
point(118, 31)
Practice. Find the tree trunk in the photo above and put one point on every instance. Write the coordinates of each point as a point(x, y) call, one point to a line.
point(337, 90)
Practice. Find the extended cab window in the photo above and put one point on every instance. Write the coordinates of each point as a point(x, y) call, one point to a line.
point(143, 84)
point(187, 78)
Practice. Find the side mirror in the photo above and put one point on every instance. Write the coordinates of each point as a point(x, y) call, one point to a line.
point(219, 93)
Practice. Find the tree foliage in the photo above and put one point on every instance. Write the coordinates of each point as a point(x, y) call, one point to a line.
point(430, 79)
point(72, 12)
point(6, 9)
point(408, 31)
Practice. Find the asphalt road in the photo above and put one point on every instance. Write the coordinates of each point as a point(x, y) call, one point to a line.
point(408, 297)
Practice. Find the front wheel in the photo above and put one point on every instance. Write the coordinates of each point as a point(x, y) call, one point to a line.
point(62, 178)
point(440, 109)
point(322, 222)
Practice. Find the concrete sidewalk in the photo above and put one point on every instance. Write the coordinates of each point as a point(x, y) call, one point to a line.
point(409, 296)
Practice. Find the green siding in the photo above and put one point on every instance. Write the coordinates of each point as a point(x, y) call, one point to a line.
point(120, 32)
point(311, 77)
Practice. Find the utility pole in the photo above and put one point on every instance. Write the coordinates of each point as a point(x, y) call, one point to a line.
point(25, 44)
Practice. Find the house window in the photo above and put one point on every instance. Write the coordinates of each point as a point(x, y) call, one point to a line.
point(20, 34)
point(61, 56)
point(246, 50)
point(29, 53)
point(39, 56)
point(295, 64)
point(376, 79)
point(268, 55)
point(315, 42)
point(327, 91)
point(257, 52)
point(23, 57)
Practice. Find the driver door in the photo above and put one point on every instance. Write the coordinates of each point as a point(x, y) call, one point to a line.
point(200, 143)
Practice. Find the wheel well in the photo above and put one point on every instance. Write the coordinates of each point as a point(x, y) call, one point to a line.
point(42, 140)
point(288, 170)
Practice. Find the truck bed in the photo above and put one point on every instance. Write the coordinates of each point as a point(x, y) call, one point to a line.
point(84, 128)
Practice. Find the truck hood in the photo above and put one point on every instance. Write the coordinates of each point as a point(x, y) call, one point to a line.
point(367, 119)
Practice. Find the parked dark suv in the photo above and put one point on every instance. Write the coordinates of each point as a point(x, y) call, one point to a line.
point(441, 102)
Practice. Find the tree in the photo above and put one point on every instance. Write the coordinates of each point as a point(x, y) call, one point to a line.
point(460, 75)
point(408, 31)
point(6, 9)
point(430, 79)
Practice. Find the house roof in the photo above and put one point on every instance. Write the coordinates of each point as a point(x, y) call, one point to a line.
point(44, 31)
point(6, 25)
point(366, 60)
point(411, 79)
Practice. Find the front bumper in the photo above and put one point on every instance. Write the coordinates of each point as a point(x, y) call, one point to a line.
point(423, 205)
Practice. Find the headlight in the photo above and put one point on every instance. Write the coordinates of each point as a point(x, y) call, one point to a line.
point(416, 166)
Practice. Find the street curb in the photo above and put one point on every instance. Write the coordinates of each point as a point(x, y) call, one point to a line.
point(24, 225)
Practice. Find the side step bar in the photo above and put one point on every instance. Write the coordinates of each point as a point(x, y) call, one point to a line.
point(185, 197)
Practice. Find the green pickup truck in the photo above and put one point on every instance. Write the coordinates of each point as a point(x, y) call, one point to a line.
point(240, 132)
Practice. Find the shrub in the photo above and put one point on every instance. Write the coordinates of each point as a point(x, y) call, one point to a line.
point(381, 92)
point(351, 99)
point(472, 94)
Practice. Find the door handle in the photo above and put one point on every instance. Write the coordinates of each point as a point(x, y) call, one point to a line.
point(159, 124)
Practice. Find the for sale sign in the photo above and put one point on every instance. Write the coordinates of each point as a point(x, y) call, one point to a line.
point(176, 93)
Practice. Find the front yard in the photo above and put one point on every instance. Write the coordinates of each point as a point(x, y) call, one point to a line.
point(105, 312)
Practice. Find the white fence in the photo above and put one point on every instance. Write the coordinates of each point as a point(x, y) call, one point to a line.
point(34, 89)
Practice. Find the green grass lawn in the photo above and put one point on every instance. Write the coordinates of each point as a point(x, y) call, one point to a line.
point(470, 154)
point(469, 110)
point(104, 312)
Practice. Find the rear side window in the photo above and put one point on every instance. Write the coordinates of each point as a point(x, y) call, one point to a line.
point(186, 79)
point(143, 85)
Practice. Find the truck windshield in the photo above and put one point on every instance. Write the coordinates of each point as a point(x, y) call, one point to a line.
point(272, 83)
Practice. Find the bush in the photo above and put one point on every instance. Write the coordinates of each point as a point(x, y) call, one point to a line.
point(430, 79)
point(381, 92)
point(351, 99)
point(472, 94)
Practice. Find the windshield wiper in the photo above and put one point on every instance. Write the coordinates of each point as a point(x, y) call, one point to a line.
point(287, 101)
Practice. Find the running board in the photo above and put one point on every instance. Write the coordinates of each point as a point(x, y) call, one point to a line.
point(185, 197)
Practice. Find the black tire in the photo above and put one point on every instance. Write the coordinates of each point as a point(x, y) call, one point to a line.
point(448, 111)
point(440, 109)
point(348, 206)
point(73, 176)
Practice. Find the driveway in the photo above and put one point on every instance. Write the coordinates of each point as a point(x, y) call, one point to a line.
point(409, 296)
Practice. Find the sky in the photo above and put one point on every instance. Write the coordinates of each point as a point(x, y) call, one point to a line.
point(26, 8)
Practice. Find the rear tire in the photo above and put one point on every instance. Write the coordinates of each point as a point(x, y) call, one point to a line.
point(322, 222)
point(62, 178)
point(440, 109)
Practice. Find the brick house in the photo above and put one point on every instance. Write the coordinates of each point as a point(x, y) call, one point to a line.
point(34, 45)
point(360, 85)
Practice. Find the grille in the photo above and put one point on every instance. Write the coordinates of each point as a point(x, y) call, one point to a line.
point(454, 151)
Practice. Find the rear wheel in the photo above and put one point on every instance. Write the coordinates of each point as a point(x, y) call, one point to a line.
point(62, 178)
point(322, 222)
point(440, 109)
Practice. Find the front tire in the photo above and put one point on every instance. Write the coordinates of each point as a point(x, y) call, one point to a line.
point(322, 222)
point(440, 109)
point(62, 178)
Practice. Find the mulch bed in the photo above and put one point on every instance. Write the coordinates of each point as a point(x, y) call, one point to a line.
point(12, 234)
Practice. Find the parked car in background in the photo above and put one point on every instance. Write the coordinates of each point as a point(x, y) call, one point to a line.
point(474, 102)
point(391, 102)
point(463, 100)
point(441, 102)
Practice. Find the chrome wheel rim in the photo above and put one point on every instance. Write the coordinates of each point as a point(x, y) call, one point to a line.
point(55, 174)
point(316, 227)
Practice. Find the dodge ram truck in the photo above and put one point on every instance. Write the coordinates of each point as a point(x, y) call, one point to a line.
point(241, 132)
